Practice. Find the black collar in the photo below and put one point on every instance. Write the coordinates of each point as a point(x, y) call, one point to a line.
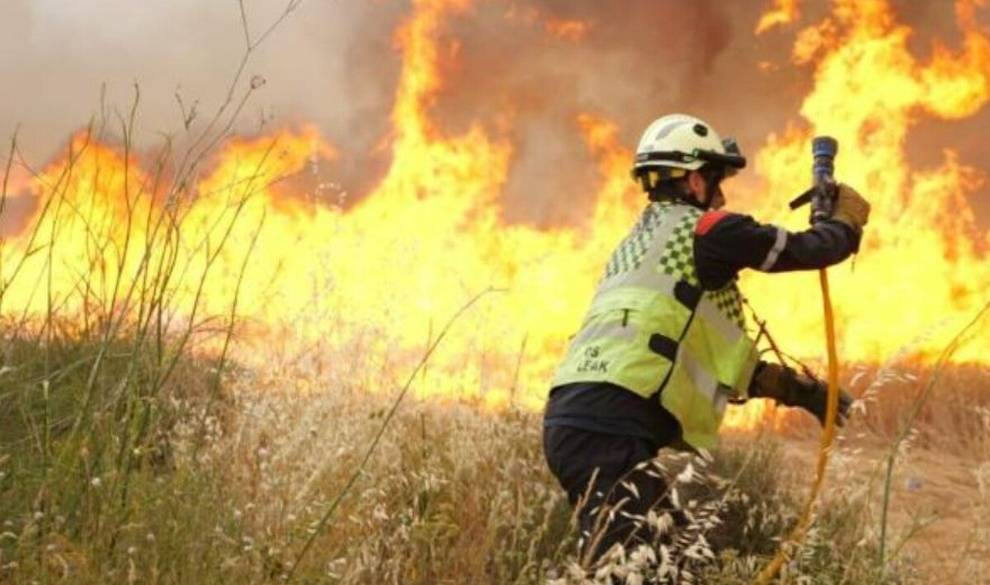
point(678, 198)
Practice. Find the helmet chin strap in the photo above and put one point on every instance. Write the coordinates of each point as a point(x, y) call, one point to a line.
point(702, 206)
point(711, 191)
point(679, 191)
point(713, 186)
point(676, 194)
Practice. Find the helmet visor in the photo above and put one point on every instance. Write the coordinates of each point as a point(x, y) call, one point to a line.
point(731, 161)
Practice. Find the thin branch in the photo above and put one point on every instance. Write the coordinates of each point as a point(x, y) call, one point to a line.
point(188, 114)
point(915, 411)
point(244, 25)
point(291, 7)
point(6, 171)
point(195, 154)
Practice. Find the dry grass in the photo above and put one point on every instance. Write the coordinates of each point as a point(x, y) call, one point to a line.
point(453, 494)
point(953, 419)
point(127, 457)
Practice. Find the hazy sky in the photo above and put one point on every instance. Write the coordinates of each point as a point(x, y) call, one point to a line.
point(334, 63)
point(56, 54)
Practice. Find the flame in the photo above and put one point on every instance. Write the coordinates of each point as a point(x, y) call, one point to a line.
point(571, 30)
point(567, 29)
point(376, 281)
point(923, 259)
point(783, 12)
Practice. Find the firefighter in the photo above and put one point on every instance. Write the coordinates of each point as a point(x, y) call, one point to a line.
point(663, 347)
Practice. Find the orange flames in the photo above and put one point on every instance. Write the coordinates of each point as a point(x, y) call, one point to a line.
point(783, 12)
point(923, 262)
point(567, 29)
point(380, 277)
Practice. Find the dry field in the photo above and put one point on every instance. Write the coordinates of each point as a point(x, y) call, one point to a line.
point(452, 492)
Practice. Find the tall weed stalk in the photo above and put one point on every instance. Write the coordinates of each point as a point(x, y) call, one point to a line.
point(97, 359)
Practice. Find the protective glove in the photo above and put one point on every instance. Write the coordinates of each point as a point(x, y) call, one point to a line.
point(850, 208)
point(790, 388)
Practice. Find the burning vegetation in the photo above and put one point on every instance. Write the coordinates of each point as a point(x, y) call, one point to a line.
point(434, 226)
point(176, 316)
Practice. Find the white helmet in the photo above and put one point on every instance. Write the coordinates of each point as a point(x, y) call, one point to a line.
point(679, 141)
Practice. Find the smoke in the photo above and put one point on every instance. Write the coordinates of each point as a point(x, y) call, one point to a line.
point(630, 66)
point(329, 63)
point(334, 64)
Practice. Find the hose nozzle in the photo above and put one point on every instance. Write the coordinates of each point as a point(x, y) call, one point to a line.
point(823, 193)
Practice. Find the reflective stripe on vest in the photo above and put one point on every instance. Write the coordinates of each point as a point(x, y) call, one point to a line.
point(652, 330)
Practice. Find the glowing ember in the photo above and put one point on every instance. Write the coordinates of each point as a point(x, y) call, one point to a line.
point(783, 12)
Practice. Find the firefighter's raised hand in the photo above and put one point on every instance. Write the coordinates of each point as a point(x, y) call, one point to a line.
point(851, 208)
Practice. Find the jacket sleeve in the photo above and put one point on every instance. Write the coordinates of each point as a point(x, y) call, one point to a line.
point(725, 243)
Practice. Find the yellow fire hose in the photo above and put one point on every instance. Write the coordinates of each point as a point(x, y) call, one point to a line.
point(823, 149)
point(825, 447)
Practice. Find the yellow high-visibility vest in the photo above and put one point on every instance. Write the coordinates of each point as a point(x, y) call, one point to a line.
point(652, 329)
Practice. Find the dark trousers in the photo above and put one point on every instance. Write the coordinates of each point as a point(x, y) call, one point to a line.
point(598, 471)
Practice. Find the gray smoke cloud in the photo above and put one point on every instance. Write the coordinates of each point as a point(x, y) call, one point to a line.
point(334, 63)
point(330, 63)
